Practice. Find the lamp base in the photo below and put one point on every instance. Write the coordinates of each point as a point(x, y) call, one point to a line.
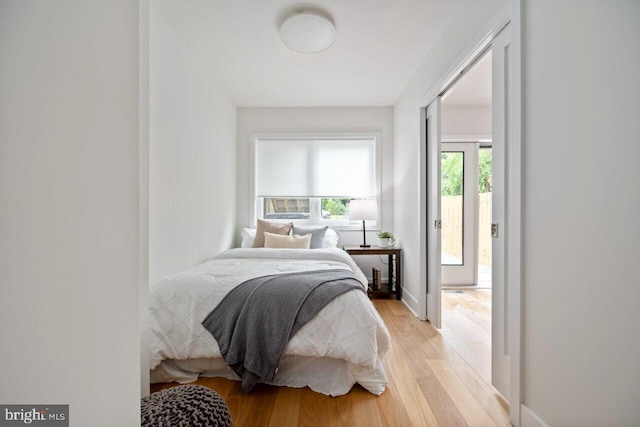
point(364, 236)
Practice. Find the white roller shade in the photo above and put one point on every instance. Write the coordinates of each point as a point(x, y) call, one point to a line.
point(283, 168)
point(320, 167)
point(345, 168)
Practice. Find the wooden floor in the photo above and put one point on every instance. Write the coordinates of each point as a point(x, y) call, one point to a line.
point(466, 325)
point(432, 382)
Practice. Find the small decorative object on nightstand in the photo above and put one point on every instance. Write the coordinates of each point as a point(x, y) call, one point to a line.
point(386, 239)
point(394, 287)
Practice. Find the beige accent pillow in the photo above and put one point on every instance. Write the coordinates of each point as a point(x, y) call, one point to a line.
point(270, 227)
point(287, 242)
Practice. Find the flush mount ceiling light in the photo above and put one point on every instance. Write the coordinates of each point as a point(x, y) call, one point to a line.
point(307, 32)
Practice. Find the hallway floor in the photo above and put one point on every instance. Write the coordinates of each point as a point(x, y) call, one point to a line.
point(466, 325)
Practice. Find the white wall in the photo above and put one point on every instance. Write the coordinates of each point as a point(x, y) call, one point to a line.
point(582, 204)
point(463, 28)
point(69, 237)
point(192, 157)
point(459, 122)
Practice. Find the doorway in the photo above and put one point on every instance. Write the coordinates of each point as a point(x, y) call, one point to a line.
point(436, 131)
point(465, 204)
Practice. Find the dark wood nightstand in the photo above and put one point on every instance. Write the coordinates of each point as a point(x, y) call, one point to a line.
point(394, 287)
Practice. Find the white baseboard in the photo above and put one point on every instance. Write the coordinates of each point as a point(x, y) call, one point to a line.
point(407, 296)
point(409, 307)
point(528, 418)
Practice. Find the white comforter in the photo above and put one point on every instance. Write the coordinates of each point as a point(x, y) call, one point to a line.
point(349, 328)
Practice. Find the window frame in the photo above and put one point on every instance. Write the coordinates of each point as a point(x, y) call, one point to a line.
point(315, 218)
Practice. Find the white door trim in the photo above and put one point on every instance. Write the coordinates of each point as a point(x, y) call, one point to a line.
point(514, 207)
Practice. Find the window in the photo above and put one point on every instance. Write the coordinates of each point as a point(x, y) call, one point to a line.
point(311, 179)
point(287, 208)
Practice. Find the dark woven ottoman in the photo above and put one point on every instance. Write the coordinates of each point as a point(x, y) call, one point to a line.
point(185, 405)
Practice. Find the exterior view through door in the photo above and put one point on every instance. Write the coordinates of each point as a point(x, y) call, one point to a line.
point(466, 214)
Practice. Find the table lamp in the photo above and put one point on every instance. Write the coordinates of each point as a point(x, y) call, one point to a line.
point(363, 209)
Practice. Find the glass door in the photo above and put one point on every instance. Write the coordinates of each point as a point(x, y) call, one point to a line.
point(459, 213)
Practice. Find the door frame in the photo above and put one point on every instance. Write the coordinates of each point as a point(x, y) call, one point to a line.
point(510, 12)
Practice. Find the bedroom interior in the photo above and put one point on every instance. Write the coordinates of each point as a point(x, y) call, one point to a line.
point(98, 199)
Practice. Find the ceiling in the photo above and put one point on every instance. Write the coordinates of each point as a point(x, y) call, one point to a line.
point(474, 88)
point(378, 48)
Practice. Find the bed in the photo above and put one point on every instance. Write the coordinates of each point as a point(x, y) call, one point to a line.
point(343, 345)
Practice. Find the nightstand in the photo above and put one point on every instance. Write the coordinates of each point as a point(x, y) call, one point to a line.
point(394, 287)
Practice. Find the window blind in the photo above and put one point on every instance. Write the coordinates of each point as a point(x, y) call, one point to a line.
point(283, 168)
point(320, 167)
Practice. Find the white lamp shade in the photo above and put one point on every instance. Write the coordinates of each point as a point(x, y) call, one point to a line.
point(363, 209)
point(307, 32)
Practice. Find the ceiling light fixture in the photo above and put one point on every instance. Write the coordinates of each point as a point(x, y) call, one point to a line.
point(307, 32)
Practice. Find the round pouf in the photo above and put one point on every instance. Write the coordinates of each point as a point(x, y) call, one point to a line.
point(185, 405)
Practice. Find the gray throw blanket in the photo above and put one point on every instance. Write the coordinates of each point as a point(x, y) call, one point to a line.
point(255, 321)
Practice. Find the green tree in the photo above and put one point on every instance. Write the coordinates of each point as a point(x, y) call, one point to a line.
point(452, 167)
point(451, 173)
point(484, 178)
point(335, 206)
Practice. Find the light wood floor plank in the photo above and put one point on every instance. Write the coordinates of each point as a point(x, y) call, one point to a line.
point(468, 406)
point(472, 325)
point(443, 407)
point(255, 408)
point(430, 383)
point(480, 320)
point(392, 411)
point(410, 395)
point(321, 410)
point(492, 402)
point(481, 294)
point(470, 357)
point(286, 409)
point(453, 321)
point(365, 410)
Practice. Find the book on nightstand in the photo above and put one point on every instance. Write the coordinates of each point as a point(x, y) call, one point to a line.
point(376, 274)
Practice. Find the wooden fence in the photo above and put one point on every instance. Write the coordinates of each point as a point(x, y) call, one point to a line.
point(452, 227)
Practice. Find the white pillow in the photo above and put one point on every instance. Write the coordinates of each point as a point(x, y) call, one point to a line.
point(286, 241)
point(248, 235)
point(331, 238)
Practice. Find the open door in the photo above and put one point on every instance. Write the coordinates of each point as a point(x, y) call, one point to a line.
point(434, 225)
point(500, 361)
